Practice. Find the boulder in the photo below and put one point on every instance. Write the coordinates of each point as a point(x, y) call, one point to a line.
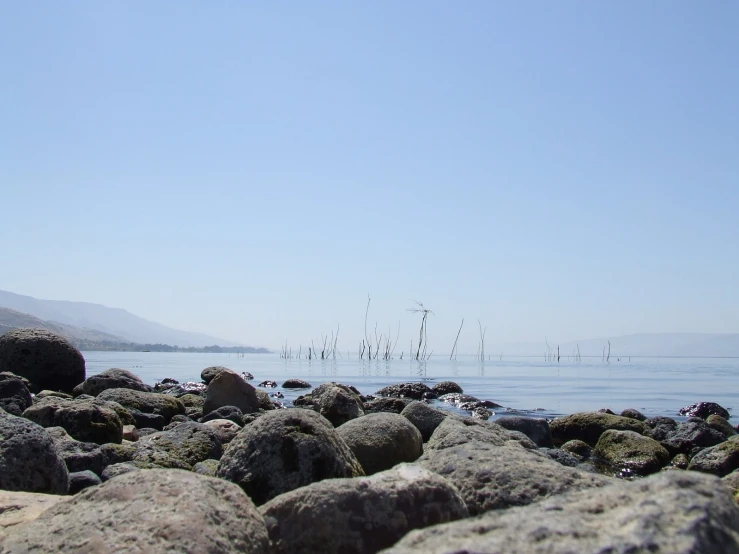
point(229, 389)
point(494, 477)
point(283, 450)
point(719, 460)
point(149, 421)
point(588, 426)
point(732, 483)
point(231, 413)
point(192, 401)
point(382, 441)
point(675, 512)
point(44, 393)
point(29, 460)
point(536, 428)
point(578, 448)
point(81, 480)
point(721, 425)
point(691, 434)
point(424, 417)
point(456, 430)
point(416, 391)
point(138, 402)
point(562, 457)
point(18, 508)
point(362, 515)
point(47, 360)
point(114, 470)
point(78, 456)
point(265, 402)
point(225, 429)
point(206, 467)
point(296, 384)
point(181, 447)
point(445, 387)
point(633, 414)
point(84, 420)
point(210, 373)
point(155, 511)
point(14, 395)
point(703, 410)
point(627, 450)
point(113, 378)
point(392, 405)
point(337, 403)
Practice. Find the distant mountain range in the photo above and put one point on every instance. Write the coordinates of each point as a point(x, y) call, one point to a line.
point(82, 321)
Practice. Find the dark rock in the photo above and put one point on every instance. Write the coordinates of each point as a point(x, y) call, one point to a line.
point(627, 450)
point(390, 405)
point(337, 403)
point(481, 413)
point(675, 512)
point(192, 401)
point(681, 461)
point(181, 390)
point(416, 391)
point(455, 430)
point(457, 398)
point(606, 411)
point(296, 384)
point(424, 417)
point(691, 434)
point(268, 384)
point(29, 460)
point(703, 410)
point(578, 448)
point(250, 418)
point(224, 412)
point(283, 450)
point(156, 512)
point(371, 513)
point(113, 378)
point(633, 414)
point(47, 360)
point(661, 432)
point(265, 402)
point(84, 420)
point(225, 429)
point(721, 425)
point(176, 420)
point(10, 375)
point(148, 421)
point(45, 393)
point(660, 420)
point(537, 429)
point(14, 395)
point(181, 447)
point(117, 453)
point(445, 387)
point(78, 456)
point(81, 480)
point(145, 403)
point(719, 460)
point(561, 456)
point(210, 373)
point(382, 441)
point(229, 389)
point(588, 426)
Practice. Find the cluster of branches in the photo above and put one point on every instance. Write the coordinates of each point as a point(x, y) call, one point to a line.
point(382, 350)
point(327, 350)
point(550, 356)
point(423, 332)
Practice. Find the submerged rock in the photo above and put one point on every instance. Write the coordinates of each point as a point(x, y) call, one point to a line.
point(627, 450)
point(296, 384)
point(416, 391)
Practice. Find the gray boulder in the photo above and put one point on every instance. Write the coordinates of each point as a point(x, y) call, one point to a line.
point(362, 515)
point(578, 448)
point(382, 441)
point(694, 433)
point(456, 430)
point(392, 405)
point(206, 467)
point(588, 426)
point(283, 450)
point(139, 402)
point(224, 412)
point(721, 425)
point(29, 460)
point(84, 420)
point(296, 384)
point(114, 470)
point(536, 428)
point(719, 460)
point(336, 402)
point(561, 456)
point(633, 414)
point(14, 395)
point(230, 389)
point(47, 360)
point(155, 511)
point(627, 450)
point(78, 456)
point(676, 512)
point(424, 417)
point(113, 378)
point(180, 447)
point(225, 429)
point(210, 373)
point(81, 480)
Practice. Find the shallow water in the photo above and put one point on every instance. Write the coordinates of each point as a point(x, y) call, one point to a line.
point(653, 386)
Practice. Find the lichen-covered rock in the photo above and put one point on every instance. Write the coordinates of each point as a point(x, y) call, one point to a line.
point(155, 511)
point(455, 430)
point(117, 453)
point(229, 389)
point(231, 413)
point(296, 384)
point(536, 428)
point(445, 387)
point(114, 470)
point(390, 405)
point(631, 451)
point(206, 467)
point(633, 414)
point(78, 456)
point(337, 403)
point(362, 515)
point(225, 429)
point(180, 447)
point(719, 460)
point(578, 448)
point(47, 360)
point(29, 460)
point(588, 426)
point(145, 403)
point(18, 508)
point(703, 410)
point(81, 480)
point(424, 417)
point(675, 512)
point(265, 402)
point(14, 395)
point(732, 483)
point(721, 425)
point(680, 461)
point(694, 433)
point(84, 420)
point(562, 457)
point(113, 378)
point(283, 450)
point(192, 401)
point(416, 391)
point(382, 441)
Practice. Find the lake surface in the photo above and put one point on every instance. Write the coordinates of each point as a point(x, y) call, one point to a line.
point(654, 386)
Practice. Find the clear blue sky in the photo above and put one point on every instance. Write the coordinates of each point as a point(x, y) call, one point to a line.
point(254, 169)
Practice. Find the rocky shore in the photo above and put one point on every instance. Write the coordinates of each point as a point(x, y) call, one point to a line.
point(111, 464)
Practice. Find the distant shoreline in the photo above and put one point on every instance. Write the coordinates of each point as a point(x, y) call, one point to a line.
point(137, 347)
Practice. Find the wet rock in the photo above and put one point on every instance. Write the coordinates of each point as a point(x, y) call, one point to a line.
point(277, 394)
point(268, 384)
point(703, 410)
point(561, 456)
point(156, 511)
point(675, 512)
point(371, 512)
point(721, 425)
point(180, 447)
point(229, 389)
point(29, 460)
point(210, 373)
point(138, 402)
point(578, 448)
point(78, 456)
point(719, 460)
point(457, 398)
point(81, 480)
point(337, 403)
point(84, 420)
point(633, 414)
point(114, 378)
point(481, 413)
point(661, 420)
point(206, 467)
point(491, 477)
point(424, 417)
point(296, 384)
point(283, 450)
point(14, 395)
point(445, 387)
point(416, 391)
point(537, 429)
point(232, 413)
point(588, 426)
point(691, 434)
point(181, 389)
point(631, 451)
point(390, 405)
point(47, 360)
point(18, 508)
point(382, 441)
point(225, 429)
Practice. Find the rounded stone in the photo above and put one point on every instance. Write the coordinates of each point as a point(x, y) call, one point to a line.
point(424, 417)
point(632, 451)
point(84, 420)
point(145, 403)
point(81, 480)
point(633, 414)
point(225, 429)
point(47, 360)
point(296, 384)
point(229, 389)
point(588, 426)
point(14, 395)
point(445, 387)
point(113, 378)
point(210, 373)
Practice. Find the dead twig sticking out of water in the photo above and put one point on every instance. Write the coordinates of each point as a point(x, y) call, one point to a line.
point(454, 348)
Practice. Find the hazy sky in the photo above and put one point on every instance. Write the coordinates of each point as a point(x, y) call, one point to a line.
point(254, 169)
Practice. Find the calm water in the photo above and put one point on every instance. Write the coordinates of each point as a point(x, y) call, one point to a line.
point(653, 386)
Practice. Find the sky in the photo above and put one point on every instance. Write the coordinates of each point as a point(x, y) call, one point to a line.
point(255, 170)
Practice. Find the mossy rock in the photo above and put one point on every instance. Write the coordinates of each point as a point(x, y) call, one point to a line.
point(720, 460)
point(632, 451)
point(589, 426)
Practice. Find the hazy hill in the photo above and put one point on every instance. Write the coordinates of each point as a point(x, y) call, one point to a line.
point(113, 321)
point(11, 319)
